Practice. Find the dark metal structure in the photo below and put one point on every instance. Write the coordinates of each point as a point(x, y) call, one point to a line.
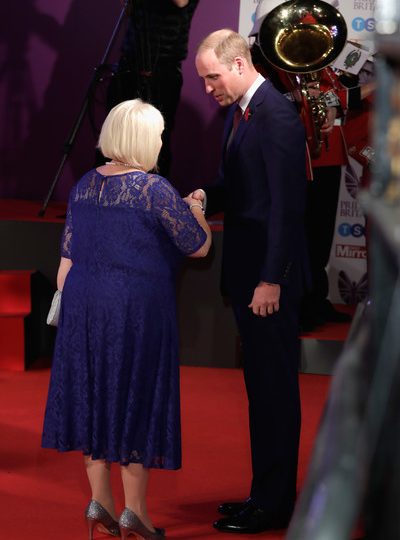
point(96, 77)
point(354, 476)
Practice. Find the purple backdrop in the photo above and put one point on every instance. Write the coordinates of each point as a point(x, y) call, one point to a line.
point(48, 51)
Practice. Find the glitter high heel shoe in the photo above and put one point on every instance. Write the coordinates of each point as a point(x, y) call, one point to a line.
point(95, 514)
point(129, 523)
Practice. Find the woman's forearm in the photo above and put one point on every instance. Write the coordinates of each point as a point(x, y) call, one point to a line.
point(63, 269)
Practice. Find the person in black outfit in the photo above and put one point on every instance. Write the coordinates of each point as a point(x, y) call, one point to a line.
point(153, 48)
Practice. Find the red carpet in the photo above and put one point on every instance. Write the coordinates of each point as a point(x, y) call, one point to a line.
point(43, 493)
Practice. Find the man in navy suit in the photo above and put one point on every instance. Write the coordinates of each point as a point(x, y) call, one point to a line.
point(261, 189)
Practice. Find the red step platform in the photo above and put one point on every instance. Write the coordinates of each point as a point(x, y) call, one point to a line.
point(321, 348)
point(15, 308)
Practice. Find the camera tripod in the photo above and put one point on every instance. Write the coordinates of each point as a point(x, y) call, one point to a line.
point(97, 75)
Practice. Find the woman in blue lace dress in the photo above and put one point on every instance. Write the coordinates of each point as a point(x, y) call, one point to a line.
point(114, 388)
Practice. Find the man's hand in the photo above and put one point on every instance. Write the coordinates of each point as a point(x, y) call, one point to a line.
point(191, 201)
point(331, 112)
point(327, 126)
point(180, 3)
point(200, 196)
point(197, 194)
point(265, 299)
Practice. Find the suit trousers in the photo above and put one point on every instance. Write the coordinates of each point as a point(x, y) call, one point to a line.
point(271, 355)
point(161, 88)
point(322, 201)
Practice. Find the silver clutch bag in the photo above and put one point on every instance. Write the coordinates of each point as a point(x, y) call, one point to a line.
point(54, 313)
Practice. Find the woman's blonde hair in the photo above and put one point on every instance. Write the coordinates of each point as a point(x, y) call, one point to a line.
point(131, 134)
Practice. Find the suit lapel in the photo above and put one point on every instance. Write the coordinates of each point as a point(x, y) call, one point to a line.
point(246, 120)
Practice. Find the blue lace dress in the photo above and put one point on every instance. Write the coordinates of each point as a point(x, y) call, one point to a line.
point(114, 387)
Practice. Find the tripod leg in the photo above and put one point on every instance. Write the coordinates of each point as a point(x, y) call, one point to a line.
point(92, 85)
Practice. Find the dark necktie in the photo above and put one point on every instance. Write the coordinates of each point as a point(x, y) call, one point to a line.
point(237, 115)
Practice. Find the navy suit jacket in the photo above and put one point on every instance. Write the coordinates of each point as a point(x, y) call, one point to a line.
point(261, 186)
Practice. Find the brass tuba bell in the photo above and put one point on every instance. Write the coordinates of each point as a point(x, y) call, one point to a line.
point(302, 38)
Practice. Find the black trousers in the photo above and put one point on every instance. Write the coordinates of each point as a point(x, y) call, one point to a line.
point(322, 200)
point(160, 87)
point(271, 353)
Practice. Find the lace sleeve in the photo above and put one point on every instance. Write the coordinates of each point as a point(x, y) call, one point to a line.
point(66, 239)
point(175, 216)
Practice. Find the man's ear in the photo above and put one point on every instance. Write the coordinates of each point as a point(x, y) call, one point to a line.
point(239, 64)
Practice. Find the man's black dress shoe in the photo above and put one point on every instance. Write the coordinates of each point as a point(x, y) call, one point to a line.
point(250, 520)
point(232, 508)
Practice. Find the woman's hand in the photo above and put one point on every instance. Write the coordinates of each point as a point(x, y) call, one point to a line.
point(198, 195)
point(63, 269)
point(196, 206)
point(193, 203)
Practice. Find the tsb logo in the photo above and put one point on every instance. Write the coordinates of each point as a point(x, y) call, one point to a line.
point(359, 24)
point(357, 230)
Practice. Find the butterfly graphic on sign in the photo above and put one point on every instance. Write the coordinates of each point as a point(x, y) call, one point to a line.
point(350, 291)
point(352, 181)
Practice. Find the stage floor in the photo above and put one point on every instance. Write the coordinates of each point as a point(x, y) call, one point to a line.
point(208, 331)
point(22, 210)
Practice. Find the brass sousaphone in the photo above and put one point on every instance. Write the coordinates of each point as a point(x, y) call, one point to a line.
point(302, 38)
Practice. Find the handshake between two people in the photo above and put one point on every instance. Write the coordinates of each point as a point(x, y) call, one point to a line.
point(197, 197)
point(266, 296)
